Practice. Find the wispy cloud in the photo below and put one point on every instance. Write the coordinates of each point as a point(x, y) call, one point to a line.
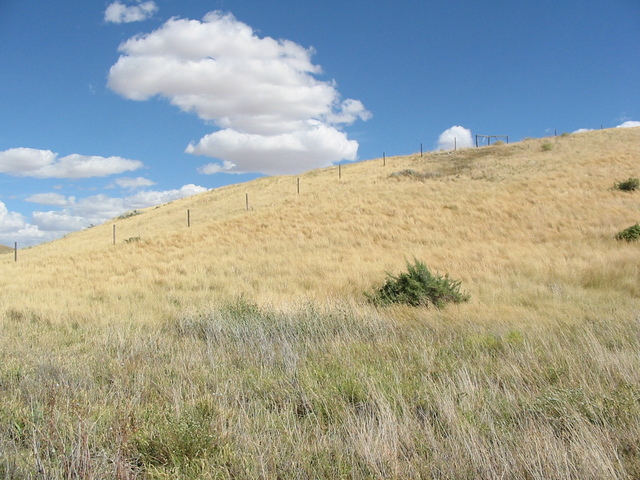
point(30, 162)
point(455, 137)
point(51, 199)
point(274, 116)
point(118, 12)
point(133, 183)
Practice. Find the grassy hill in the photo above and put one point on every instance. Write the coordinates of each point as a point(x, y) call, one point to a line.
point(519, 224)
point(242, 345)
point(5, 249)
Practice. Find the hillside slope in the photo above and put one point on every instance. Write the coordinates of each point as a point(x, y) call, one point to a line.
point(527, 227)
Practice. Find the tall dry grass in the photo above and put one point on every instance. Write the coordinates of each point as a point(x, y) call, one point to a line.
point(244, 392)
point(241, 347)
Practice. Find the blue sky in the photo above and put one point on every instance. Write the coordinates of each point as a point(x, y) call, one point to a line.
point(111, 106)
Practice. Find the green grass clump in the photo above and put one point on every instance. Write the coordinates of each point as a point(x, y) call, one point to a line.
point(629, 185)
point(630, 234)
point(419, 287)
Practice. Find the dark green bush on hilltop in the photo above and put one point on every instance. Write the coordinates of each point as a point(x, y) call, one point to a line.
point(629, 185)
point(629, 234)
point(418, 287)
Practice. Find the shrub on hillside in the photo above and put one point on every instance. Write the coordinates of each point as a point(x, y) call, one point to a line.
point(130, 214)
point(547, 147)
point(418, 287)
point(629, 185)
point(629, 234)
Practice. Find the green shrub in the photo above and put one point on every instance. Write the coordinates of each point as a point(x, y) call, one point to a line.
point(132, 213)
point(629, 185)
point(546, 147)
point(418, 287)
point(629, 234)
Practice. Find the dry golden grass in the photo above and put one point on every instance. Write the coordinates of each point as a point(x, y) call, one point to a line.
point(242, 347)
point(527, 229)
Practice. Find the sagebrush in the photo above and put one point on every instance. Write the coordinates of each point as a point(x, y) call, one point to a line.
point(419, 287)
point(630, 234)
point(629, 185)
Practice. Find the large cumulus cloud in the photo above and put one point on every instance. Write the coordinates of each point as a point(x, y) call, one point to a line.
point(271, 112)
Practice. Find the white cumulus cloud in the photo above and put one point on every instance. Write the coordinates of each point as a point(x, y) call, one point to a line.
point(58, 222)
point(455, 137)
point(629, 124)
point(76, 214)
point(118, 12)
point(31, 162)
point(10, 221)
point(14, 228)
point(287, 153)
point(97, 209)
point(151, 198)
point(262, 94)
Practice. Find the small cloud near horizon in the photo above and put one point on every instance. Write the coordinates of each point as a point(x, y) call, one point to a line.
point(118, 12)
point(627, 124)
point(455, 137)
